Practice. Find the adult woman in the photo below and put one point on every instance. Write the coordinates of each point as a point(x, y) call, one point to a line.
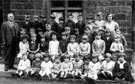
point(110, 23)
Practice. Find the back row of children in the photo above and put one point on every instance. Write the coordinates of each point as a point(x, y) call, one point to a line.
point(73, 47)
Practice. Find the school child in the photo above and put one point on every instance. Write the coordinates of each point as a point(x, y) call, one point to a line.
point(100, 22)
point(73, 46)
point(80, 24)
point(24, 66)
point(122, 37)
point(108, 40)
point(43, 22)
point(70, 23)
point(94, 67)
point(94, 33)
point(23, 46)
point(121, 69)
point(35, 68)
point(107, 68)
point(26, 24)
point(33, 47)
point(48, 32)
point(68, 32)
point(77, 67)
point(35, 23)
point(84, 47)
point(63, 44)
point(44, 45)
point(85, 67)
point(54, 24)
point(116, 48)
point(46, 67)
point(53, 46)
point(90, 23)
point(56, 67)
point(78, 36)
point(39, 34)
point(66, 67)
point(88, 33)
point(61, 27)
point(98, 45)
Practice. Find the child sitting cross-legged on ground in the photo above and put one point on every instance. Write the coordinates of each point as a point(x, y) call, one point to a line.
point(23, 66)
point(46, 67)
point(36, 66)
point(56, 67)
point(66, 67)
point(77, 67)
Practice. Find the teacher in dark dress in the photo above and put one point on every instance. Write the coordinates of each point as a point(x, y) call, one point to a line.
point(10, 34)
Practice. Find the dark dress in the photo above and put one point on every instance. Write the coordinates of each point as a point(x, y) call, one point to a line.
point(123, 73)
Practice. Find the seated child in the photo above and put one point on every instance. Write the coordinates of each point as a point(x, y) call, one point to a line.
point(46, 67)
point(33, 47)
point(24, 66)
point(36, 66)
point(23, 46)
point(94, 67)
point(98, 45)
point(66, 67)
point(85, 67)
point(73, 46)
point(106, 68)
point(84, 47)
point(121, 69)
point(77, 67)
point(56, 67)
point(53, 46)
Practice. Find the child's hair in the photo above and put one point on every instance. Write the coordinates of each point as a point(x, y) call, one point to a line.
point(108, 15)
point(73, 36)
point(122, 55)
point(25, 37)
point(70, 15)
point(53, 33)
point(79, 16)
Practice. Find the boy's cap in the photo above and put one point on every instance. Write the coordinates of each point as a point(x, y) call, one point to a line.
point(52, 16)
point(36, 16)
point(108, 55)
point(67, 28)
point(73, 36)
point(33, 35)
point(94, 55)
point(25, 36)
point(64, 33)
point(99, 13)
point(61, 18)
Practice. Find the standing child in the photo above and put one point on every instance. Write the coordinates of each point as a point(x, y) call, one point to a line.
point(46, 67)
point(66, 67)
point(73, 46)
point(98, 46)
point(43, 45)
point(53, 46)
point(23, 66)
point(80, 24)
point(84, 47)
point(77, 67)
point(23, 46)
point(94, 67)
point(56, 67)
point(33, 47)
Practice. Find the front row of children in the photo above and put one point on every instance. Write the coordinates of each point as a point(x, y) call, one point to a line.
point(92, 68)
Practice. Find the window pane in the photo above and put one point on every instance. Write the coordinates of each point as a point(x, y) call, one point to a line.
point(58, 3)
point(75, 3)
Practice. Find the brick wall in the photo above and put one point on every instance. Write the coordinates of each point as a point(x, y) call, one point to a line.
point(121, 8)
point(22, 7)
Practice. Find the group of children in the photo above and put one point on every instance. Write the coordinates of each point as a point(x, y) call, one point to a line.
point(74, 53)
